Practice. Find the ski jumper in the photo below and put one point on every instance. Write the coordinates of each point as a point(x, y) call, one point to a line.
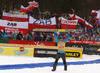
point(61, 52)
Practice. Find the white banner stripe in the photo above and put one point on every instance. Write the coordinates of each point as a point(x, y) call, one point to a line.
point(16, 15)
point(52, 21)
point(6, 23)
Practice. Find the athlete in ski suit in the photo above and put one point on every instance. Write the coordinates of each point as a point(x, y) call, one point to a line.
point(61, 51)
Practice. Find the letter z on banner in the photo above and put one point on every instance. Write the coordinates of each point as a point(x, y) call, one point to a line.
point(15, 27)
point(42, 24)
point(68, 24)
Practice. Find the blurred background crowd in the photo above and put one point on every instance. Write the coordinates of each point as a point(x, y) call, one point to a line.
point(85, 33)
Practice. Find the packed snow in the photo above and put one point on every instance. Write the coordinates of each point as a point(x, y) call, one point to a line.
point(86, 68)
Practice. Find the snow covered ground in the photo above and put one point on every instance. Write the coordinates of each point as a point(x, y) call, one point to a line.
point(14, 60)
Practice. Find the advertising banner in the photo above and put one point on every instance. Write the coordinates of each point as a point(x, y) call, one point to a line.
point(15, 27)
point(74, 53)
point(53, 52)
point(45, 52)
point(17, 51)
point(89, 47)
point(92, 49)
point(84, 42)
point(42, 24)
point(32, 42)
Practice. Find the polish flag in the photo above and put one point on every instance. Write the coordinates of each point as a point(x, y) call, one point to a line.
point(31, 6)
point(34, 4)
point(97, 20)
point(95, 12)
point(88, 25)
point(80, 20)
point(23, 9)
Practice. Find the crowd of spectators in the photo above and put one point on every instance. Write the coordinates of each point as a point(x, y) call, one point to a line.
point(86, 33)
point(93, 35)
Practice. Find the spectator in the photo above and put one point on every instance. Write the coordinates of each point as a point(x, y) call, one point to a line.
point(97, 38)
point(90, 20)
point(14, 36)
point(47, 15)
point(38, 37)
point(44, 36)
point(1, 35)
point(19, 36)
point(49, 37)
point(25, 38)
point(93, 38)
point(29, 36)
point(4, 34)
point(10, 35)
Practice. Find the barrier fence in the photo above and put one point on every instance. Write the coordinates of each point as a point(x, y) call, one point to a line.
point(38, 51)
point(89, 47)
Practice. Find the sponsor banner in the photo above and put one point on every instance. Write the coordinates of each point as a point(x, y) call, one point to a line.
point(84, 42)
point(42, 24)
point(87, 48)
point(17, 51)
point(15, 27)
point(73, 53)
point(55, 30)
point(45, 52)
point(32, 42)
point(68, 24)
point(53, 53)
point(15, 17)
point(92, 49)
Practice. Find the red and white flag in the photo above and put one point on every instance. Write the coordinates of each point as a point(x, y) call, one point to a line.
point(97, 20)
point(16, 27)
point(31, 6)
point(34, 4)
point(88, 25)
point(72, 16)
point(41, 23)
point(15, 17)
point(80, 20)
point(68, 24)
point(94, 12)
point(23, 9)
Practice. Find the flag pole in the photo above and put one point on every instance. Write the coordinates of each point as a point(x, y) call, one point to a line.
point(39, 9)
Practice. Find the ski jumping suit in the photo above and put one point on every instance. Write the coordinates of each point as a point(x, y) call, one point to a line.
point(61, 52)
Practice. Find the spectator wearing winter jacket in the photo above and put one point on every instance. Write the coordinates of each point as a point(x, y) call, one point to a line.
point(0, 35)
point(19, 36)
point(38, 37)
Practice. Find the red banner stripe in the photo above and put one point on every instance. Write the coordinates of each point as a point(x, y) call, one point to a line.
point(64, 26)
point(14, 19)
point(15, 30)
point(35, 26)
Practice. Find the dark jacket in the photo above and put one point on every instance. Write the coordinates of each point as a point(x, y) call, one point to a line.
point(38, 37)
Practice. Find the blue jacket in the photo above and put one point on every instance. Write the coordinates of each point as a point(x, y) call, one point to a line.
point(61, 41)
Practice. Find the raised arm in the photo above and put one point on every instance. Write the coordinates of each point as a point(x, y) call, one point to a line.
point(67, 38)
point(56, 37)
